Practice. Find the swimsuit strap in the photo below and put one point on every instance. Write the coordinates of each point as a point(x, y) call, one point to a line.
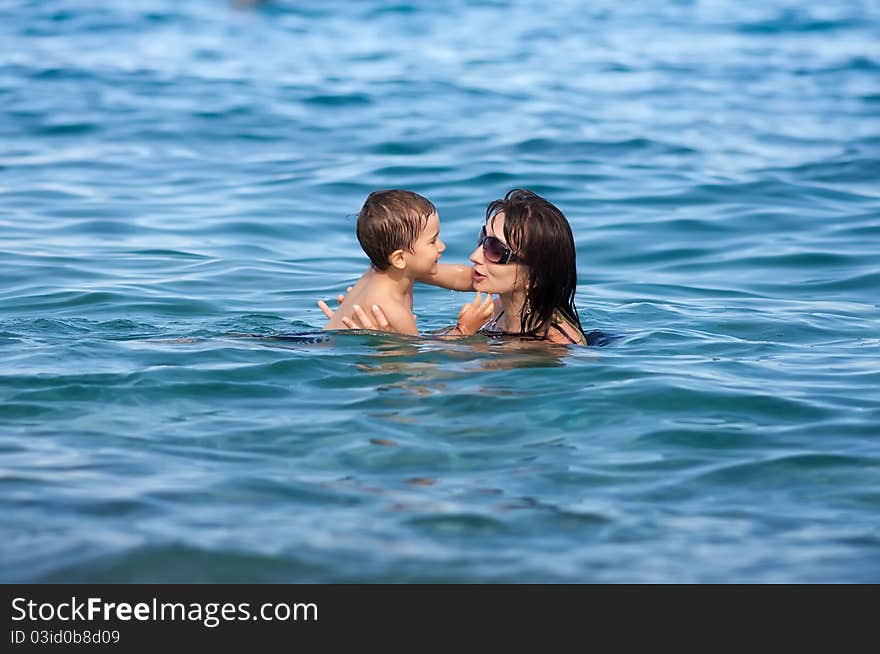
point(565, 333)
point(563, 319)
point(489, 327)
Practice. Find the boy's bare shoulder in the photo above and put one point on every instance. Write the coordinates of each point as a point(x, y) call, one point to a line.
point(368, 292)
point(356, 295)
point(397, 311)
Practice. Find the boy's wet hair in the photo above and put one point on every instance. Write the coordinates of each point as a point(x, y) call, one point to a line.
point(391, 220)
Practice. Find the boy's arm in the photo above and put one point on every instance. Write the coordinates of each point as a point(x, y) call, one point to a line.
point(454, 276)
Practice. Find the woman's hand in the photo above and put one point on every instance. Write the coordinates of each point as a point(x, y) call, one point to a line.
point(474, 315)
point(360, 320)
point(327, 310)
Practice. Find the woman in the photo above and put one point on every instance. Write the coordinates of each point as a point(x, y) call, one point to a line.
point(525, 254)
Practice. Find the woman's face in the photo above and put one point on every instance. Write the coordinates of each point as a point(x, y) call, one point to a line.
point(497, 278)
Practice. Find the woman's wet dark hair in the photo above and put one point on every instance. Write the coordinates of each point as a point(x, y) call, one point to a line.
point(540, 235)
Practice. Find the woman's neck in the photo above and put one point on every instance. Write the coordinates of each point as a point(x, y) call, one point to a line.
point(513, 304)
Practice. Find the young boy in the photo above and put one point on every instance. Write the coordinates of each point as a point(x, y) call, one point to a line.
point(400, 232)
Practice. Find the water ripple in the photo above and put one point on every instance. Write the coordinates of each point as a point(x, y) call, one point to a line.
point(178, 190)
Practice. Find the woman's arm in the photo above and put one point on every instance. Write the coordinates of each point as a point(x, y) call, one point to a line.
point(454, 276)
point(472, 316)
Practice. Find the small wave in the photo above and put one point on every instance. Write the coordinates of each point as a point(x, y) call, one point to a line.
point(66, 129)
point(793, 22)
point(599, 150)
point(180, 563)
point(789, 471)
point(407, 148)
point(412, 171)
point(864, 282)
point(117, 302)
point(174, 254)
point(102, 227)
point(838, 171)
point(459, 525)
point(339, 100)
point(49, 326)
point(71, 73)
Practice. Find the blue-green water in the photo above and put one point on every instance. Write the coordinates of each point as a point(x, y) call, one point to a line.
point(175, 174)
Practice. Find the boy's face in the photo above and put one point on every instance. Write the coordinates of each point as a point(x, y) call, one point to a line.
point(427, 248)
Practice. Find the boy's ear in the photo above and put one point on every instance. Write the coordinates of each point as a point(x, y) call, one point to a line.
point(397, 259)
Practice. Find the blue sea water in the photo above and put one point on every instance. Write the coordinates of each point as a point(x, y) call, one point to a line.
point(177, 188)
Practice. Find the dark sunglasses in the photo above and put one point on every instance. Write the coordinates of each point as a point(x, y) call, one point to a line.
point(494, 250)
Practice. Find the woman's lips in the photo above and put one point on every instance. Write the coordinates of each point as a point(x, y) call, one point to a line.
point(477, 277)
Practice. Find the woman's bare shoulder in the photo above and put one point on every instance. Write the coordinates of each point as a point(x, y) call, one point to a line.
point(565, 333)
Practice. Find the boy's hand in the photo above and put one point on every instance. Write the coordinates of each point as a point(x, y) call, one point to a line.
point(474, 315)
point(339, 300)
